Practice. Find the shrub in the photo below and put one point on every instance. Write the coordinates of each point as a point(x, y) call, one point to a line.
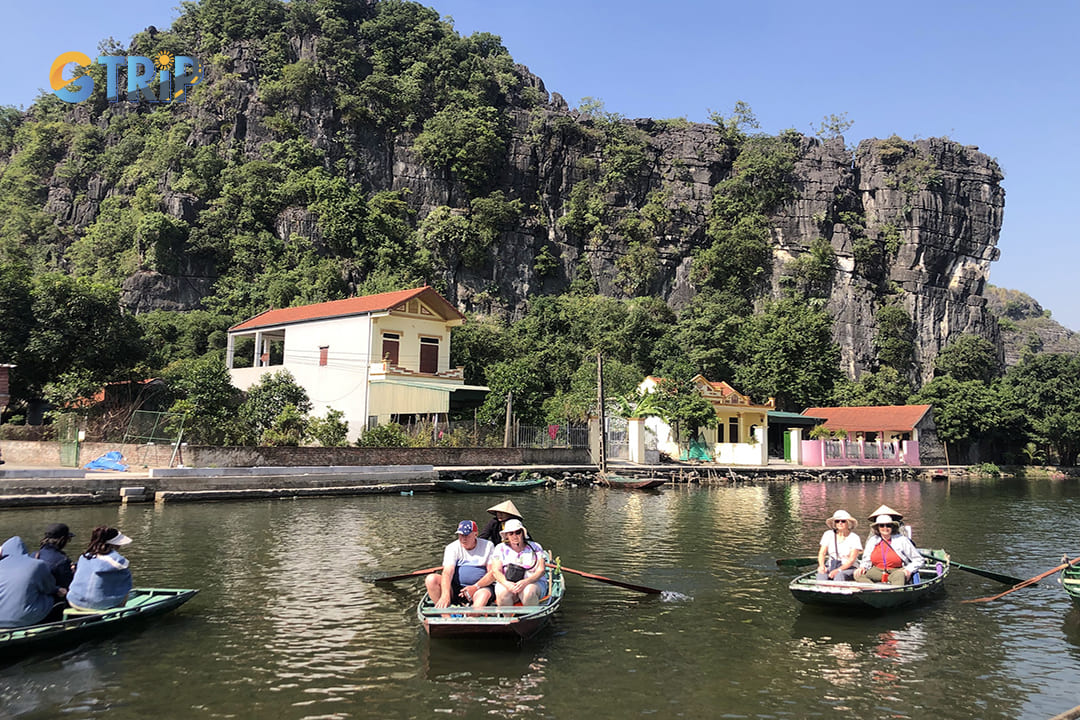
point(389, 435)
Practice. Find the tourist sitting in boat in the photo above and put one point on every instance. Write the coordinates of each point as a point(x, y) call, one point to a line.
point(102, 576)
point(838, 553)
point(465, 577)
point(500, 514)
point(52, 554)
point(889, 556)
point(518, 566)
point(27, 588)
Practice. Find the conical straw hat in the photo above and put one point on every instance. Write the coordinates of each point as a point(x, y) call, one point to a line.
point(506, 507)
point(885, 510)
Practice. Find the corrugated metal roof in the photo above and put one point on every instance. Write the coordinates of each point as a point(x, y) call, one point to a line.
point(870, 419)
point(351, 306)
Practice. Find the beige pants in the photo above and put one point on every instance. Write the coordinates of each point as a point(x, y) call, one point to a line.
point(876, 574)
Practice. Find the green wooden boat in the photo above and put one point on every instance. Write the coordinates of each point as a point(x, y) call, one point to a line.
point(142, 604)
point(873, 596)
point(519, 621)
point(1070, 580)
point(490, 486)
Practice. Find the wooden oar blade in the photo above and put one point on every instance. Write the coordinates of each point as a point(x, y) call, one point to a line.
point(989, 574)
point(609, 581)
point(795, 562)
point(405, 576)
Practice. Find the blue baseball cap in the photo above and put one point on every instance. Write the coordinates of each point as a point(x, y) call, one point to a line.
point(466, 527)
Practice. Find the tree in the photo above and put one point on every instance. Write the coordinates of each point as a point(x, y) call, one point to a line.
point(268, 398)
point(894, 338)
point(682, 407)
point(968, 357)
point(884, 387)
point(1047, 386)
point(788, 353)
point(329, 431)
point(77, 327)
point(202, 390)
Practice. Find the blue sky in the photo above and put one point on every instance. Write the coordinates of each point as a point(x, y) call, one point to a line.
point(999, 75)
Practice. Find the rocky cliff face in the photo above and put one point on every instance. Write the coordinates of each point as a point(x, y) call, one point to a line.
point(914, 223)
point(1027, 328)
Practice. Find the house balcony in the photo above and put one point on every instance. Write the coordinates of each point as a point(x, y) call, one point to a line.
point(385, 369)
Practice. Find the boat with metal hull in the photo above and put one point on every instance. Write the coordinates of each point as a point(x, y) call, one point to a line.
point(872, 596)
point(142, 604)
point(521, 621)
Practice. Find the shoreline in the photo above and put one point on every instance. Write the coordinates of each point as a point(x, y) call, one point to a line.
point(28, 486)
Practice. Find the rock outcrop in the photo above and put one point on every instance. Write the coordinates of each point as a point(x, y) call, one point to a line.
point(910, 223)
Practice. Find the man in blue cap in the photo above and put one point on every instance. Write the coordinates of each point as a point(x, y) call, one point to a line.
point(465, 577)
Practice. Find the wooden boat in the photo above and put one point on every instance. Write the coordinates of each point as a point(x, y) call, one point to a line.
point(628, 483)
point(519, 621)
point(468, 486)
point(1070, 580)
point(142, 603)
point(873, 596)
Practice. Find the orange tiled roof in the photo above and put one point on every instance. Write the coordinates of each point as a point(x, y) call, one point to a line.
point(870, 419)
point(344, 308)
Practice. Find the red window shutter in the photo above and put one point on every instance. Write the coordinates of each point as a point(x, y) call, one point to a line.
point(323, 352)
point(429, 357)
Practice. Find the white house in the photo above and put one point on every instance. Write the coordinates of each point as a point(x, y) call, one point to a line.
point(378, 358)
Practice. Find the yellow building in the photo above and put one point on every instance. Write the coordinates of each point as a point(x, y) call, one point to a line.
point(742, 426)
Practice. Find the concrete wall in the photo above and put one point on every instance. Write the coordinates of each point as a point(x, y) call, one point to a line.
point(47, 454)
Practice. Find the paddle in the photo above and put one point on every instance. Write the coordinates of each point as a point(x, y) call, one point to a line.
point(609, 581)
point(1004, 579)
point(414, 573)
point(1026, 583)
point(796, 562)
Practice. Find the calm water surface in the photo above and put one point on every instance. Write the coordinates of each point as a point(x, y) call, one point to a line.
point(286, 625)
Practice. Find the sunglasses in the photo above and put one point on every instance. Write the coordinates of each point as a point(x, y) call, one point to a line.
point(516, 532)
point(840, 521)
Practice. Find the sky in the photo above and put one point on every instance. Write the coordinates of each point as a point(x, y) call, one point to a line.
point(999, 75)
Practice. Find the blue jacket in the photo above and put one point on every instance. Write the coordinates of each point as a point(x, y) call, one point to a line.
point(59, 564)
point(27, 588)
point(100, 582)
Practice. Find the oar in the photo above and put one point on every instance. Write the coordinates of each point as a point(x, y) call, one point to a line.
point(609, 581)
point(1026, 583)
point(414, 573)
point(1003, 579)
point(796, 562)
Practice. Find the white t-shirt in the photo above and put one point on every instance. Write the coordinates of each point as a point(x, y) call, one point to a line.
point(526, 558)
point(846, 545)
point(456, 555)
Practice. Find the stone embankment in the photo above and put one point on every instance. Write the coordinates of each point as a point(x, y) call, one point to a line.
point(32, 487)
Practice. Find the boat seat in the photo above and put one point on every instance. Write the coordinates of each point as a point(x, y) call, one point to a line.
point(1071, 581)
point(71, 613)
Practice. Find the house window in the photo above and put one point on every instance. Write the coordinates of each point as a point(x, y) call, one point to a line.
point(390, 347)
point(429, 355)
point(733, 430)
point(324, 350)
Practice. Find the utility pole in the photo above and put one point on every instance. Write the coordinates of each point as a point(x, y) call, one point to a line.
point(509, 411)
point(600, 408)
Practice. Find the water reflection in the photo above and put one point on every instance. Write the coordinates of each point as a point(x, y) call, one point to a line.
point(285, 626)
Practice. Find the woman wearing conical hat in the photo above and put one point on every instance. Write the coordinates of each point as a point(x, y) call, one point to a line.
point(889, 556)
point(500, 514)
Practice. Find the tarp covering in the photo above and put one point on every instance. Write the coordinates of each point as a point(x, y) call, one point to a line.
point(108, 461)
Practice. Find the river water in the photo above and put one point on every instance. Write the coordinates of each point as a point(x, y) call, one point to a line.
point(288, 626)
